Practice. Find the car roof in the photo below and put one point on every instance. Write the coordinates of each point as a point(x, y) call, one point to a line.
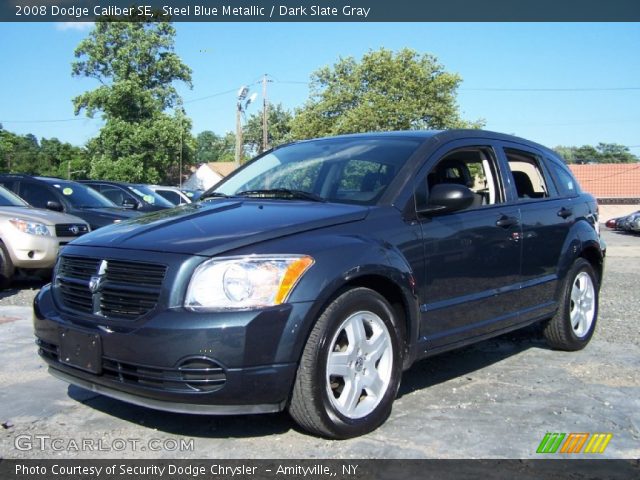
point(440, 135)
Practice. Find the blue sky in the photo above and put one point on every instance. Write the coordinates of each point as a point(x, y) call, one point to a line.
point(555, 83)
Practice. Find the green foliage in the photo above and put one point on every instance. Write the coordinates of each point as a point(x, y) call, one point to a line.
point(215, 148)
point(384, 91)
point(602, 153)
point(136, 66)
point(278, 129)
point(24, 154)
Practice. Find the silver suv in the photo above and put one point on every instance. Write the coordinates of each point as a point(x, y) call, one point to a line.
point(30, 238)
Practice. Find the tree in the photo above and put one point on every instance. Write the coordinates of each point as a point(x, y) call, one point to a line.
point(142, 140)
point(602, 153)
point(25, 154)
point(214, 148)
point(278, 128)
point(384, 91)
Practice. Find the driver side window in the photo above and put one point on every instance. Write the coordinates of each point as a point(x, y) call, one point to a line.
point(472, 167)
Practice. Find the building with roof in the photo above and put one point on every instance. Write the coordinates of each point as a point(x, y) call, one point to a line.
point(610, 182)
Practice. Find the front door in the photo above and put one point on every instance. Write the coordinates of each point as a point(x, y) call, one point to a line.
point(472, 257)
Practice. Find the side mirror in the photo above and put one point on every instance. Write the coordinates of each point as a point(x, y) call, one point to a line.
point(55, 206)
point(448, 197)
point(129, 203)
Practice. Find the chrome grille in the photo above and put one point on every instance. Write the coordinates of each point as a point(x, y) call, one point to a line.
point(122, 290)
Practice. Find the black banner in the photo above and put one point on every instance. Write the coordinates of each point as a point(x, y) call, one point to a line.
point(323, 10)
point(318, 469)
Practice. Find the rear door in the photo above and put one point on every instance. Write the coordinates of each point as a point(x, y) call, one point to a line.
point(472, 257)
point(546, 219)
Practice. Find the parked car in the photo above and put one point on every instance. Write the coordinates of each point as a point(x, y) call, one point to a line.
point(68, 197)
point(172, 194)
point(630, 223)
point(613, 223)
point(30, 238)
point(130, 195)
point(311, 277)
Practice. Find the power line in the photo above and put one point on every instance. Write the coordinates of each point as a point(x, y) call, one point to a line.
point(606, 89)
point(47, 121)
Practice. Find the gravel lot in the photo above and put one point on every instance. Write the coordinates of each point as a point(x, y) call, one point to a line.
point(495, 399)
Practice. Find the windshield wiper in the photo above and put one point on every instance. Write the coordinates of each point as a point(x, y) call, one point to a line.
point(281, 193)
point(213, 195)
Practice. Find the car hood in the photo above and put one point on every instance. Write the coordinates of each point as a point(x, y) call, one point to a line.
point(47, 217)
point(212, 227)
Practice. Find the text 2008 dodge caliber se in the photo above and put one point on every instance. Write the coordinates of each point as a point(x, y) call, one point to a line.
point(311, 277)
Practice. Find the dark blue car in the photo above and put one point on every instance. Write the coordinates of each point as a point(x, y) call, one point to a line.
point(309, 279)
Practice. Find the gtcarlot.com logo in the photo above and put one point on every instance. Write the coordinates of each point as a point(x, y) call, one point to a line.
point(44, 442)
point(574, 443)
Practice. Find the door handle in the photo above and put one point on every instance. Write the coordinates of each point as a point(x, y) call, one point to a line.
point(506, 222)
point(565, 212)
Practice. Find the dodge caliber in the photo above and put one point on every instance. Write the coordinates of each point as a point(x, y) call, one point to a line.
point(313, 276)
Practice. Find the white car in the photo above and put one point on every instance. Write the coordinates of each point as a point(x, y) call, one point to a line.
point(30, 238)
point(172, 194)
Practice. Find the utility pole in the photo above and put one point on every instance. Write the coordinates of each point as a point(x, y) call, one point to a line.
point(265, 116)
point(238, 135)
point(240, 109)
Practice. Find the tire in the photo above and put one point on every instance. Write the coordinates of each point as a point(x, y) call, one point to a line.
point(350, 369)
point(6, 267)
point(575, 321)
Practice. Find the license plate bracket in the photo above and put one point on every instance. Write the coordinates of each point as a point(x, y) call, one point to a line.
point(81, 350)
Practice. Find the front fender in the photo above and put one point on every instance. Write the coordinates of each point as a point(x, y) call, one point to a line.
point(351, 261)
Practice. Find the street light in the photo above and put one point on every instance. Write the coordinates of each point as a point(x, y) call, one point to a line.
point(241, 107)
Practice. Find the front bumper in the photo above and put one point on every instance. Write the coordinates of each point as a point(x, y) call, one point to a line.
point(180, 361)
point(33, 251)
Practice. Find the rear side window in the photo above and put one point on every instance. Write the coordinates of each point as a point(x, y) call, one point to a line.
point(528, 176)
point(566, 183)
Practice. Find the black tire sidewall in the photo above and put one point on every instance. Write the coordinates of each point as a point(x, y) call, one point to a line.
point(6, 267)
point(353, 301)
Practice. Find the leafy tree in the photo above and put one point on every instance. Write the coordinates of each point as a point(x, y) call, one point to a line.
point(24, 154)
point(19, 152)
point(278, 128)
point(135, 63)
point(602, 153)
point(383, 91)
point(211, 147)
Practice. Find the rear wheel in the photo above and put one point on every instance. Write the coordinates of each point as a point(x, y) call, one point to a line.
point(574, 323)
point(350, 368)
point(6, 267)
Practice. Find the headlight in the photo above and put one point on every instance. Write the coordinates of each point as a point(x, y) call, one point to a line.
point(31, 228)
point(236, 283)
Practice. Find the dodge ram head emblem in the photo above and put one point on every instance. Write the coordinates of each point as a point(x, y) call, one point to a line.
point(96, 280)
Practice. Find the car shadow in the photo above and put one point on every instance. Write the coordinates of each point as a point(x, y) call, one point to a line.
point(22, 283)
point(200, 426)
point(435, 370)
point(467, 360)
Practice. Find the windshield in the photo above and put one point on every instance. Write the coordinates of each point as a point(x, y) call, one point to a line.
point(150, 196)
point(81, 196)
point(8, 199)
point(343, 170)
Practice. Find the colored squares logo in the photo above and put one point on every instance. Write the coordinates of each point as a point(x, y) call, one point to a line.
point(574, 443)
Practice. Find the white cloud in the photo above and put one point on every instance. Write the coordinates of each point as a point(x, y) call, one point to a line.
point(81, 26)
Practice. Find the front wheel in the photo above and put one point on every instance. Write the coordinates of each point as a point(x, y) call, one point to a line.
point(350, 369)
point(574, 323)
